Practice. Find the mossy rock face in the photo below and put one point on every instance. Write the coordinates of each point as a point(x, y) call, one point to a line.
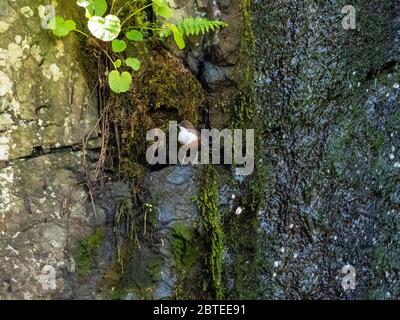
point(153, 268)
point(162, 91)
point(208, 203)
point(87, 252)
point(165, 258)
point(184, 246)
point(331, 125)
point(170, 86)
point(138, 276)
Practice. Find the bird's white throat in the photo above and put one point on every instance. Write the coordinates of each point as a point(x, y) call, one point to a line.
point(185, 136)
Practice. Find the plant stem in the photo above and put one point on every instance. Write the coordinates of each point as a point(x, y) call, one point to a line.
point(112, 61)
point(136, 12)
point(119, 11)
point(142, 27)
point(81, 32)
point(123, 7)
point(112, 6)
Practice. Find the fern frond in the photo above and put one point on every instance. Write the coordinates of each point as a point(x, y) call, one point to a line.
point(189, 26)
point(193, 26)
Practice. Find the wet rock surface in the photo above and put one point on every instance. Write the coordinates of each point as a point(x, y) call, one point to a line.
point(171, 192)
point(166, 243)
point(330, 101)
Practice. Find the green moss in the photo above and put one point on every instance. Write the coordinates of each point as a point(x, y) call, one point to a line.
point(257, 187)
point(245, 115)
point(117, 293)
point(248, 41)
point(241, 240)
point(381, 264)
point(126, 242)
point(153, 269)
point(169, 85)
point(208, 205)
point(245, 245)
point(163, 90)
point(368, 44)
point(132, 271)
point(131, 170)
point(86, 256)
point(385, 261)
point(125, 230)
point(139, 277)
point(184, 247)
point(116, 277)
point(244, 107)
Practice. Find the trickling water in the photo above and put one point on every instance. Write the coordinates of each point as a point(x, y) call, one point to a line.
point(331, 114)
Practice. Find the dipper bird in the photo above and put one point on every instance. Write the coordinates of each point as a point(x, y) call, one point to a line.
point(188, 136)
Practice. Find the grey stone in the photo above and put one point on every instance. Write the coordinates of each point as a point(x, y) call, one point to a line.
point(171, 192)
point(42, 84)
point(45, 105)
point(214, 75)
point(41, 216)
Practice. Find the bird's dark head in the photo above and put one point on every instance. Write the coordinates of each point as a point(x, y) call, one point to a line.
point(187, 125)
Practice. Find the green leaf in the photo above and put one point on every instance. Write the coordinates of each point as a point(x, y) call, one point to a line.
point(162, 8)
point(105, 29)
point(117, 63)
point(193, 26)
point(62, 28)
point(119, 82)
point(165, 31)
point(99, 7)
point(118, 45)
point(134, 35)
point(84, 3)
point(133, 63)
point(189, 26)
point(93, 7)
point(177, 36)
point(197, 25)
